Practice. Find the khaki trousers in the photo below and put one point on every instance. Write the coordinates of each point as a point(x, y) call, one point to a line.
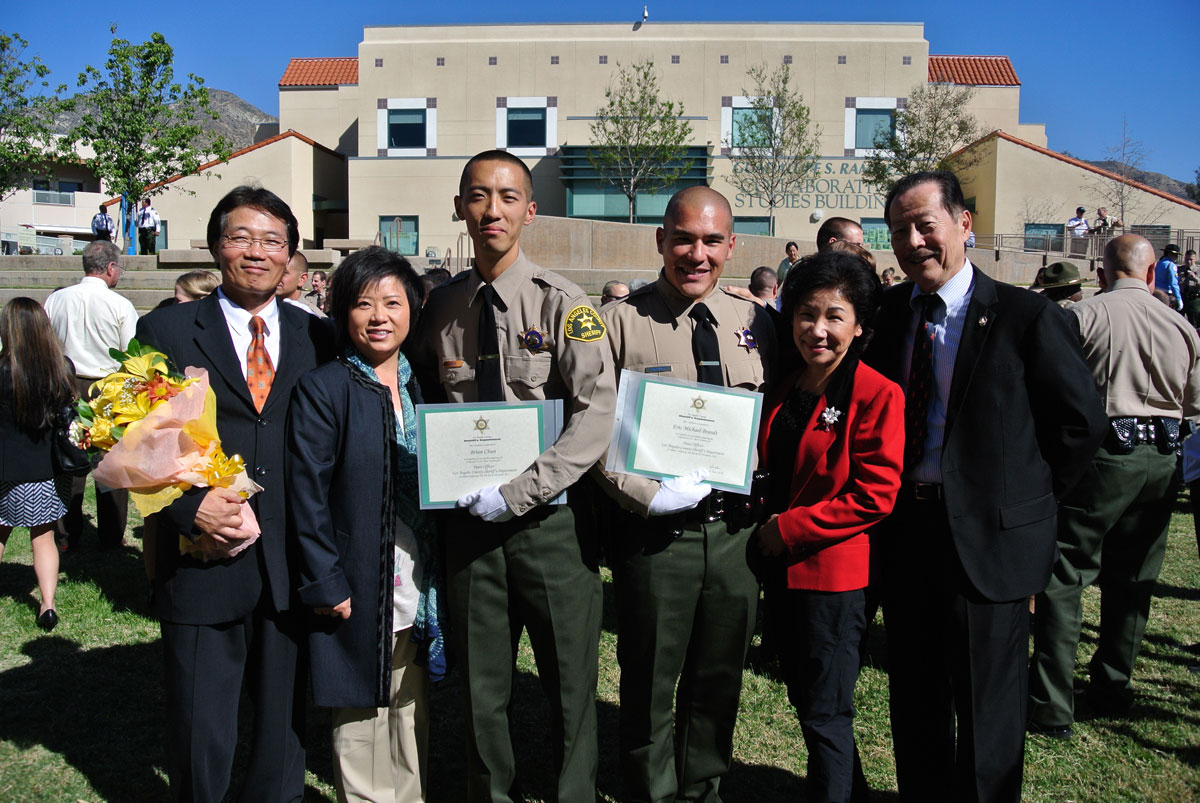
point(382, 754)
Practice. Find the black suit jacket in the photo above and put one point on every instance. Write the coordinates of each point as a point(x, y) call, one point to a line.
point(190, 591)
point(1023, 421)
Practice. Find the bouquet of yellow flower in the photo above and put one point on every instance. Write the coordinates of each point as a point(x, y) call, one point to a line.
point(158, 430)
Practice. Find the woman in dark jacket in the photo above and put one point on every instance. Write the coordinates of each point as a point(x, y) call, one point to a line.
point(368, 556)
point(833, 442)
point(36, 381)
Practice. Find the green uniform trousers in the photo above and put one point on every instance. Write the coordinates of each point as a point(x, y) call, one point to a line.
point(1113, 529)
point(532, 572)
point(685, 613)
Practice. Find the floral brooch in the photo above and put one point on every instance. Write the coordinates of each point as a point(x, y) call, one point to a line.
point(829, 417)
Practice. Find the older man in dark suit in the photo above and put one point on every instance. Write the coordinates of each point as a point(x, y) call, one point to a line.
point(227, 618)
point(1001, 418)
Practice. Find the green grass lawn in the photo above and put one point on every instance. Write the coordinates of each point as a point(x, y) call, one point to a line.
point(81, 709)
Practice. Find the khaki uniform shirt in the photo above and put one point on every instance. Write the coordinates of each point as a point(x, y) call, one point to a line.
point(552, 346)
point(1144, 356)
point(651, 332)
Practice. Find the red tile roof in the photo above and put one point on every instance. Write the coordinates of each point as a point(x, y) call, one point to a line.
point(242, 152)
point(973, 70)
point(320, 72)
point(1081, 165)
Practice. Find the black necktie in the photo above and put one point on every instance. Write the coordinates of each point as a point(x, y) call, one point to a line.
point(920, 384)
point(487, 363)
point(705, 348)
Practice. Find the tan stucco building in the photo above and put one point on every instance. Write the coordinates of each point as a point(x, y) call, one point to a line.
point(417, 101)
point(372, 145)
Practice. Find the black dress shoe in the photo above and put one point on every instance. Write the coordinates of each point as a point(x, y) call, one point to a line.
point(47, 620)
point(1060, 732)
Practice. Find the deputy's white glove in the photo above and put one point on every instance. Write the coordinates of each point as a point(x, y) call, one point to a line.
point(487, 503)
point(680, 493)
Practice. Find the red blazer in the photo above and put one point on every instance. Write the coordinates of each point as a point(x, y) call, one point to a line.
point(845, 480)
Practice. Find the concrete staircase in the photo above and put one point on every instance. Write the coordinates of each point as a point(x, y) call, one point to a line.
point(146, 280)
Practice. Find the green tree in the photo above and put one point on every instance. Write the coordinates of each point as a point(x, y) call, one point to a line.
point(143, 126)
point(639, 138)
point(1193, 189)
point(774, 144)
point(934, 124)
point(27, 106)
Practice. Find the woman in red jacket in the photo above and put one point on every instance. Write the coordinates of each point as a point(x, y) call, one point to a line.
point(833, 443)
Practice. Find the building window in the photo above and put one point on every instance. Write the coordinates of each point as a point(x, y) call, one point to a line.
point(441, 61)
point(399, 233)
point(724, 59)
point(527, 126)
point(491, 61)
point(738, 113)
point(554, 59)
point(674, 59)
point(70, 186)
point(841, 59)
point(869, 124)
point(378, 62)
point(41, 184)
point(906, 60)
point(604, 59)
point(787, 59)
point(743, 117)
point(866, 119)
point(407, 127)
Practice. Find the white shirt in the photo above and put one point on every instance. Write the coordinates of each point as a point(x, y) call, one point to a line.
point(147, 218)
point(310, 310)
point(947, 326)
point(238, 321)
point(90, 319)
point(406, 593)
point(1078, 226)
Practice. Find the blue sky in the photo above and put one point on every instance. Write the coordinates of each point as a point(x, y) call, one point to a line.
point(1082, 66)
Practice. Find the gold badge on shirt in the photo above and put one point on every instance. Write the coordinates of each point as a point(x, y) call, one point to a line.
point(584, 324)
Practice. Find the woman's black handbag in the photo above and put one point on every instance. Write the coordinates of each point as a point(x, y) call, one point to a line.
point(66, 456)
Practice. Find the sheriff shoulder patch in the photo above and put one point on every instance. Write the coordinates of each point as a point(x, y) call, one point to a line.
point(583, 323)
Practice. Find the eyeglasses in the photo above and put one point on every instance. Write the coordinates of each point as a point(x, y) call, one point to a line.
point(243, 243)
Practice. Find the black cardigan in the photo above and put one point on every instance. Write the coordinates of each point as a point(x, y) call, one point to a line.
point(24, 456)
point(340, 483)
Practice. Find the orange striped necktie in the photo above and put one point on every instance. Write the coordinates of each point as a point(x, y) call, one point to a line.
point(259, 371)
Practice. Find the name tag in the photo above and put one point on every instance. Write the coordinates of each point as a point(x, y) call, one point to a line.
point(656, 369)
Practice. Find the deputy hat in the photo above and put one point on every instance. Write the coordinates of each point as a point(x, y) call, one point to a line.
point(1060, 274)
point(1171, 248)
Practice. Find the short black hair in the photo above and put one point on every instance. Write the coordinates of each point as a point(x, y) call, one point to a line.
point(792, 244)
point(948, 187)
point(827, 270)
point(257, 198)
point(835, 228)
point(361, 270)
point(763, 277)
point(495, 156)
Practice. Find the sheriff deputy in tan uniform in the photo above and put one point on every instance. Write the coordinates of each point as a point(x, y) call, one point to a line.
point(510, 331)
point(1112, 529)
point(686, 599)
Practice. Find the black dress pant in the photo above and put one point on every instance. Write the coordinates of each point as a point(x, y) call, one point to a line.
point(112, 507)
point(205, 667)
point(956, 664)
point(820, 663)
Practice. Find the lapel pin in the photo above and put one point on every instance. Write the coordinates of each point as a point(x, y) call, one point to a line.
point(983, 320)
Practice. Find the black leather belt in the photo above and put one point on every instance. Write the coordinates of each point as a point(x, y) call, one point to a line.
point(923, 491)
point(710, 509)
point(1124, 433)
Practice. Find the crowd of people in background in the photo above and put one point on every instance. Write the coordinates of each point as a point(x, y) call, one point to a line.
point(915, 454)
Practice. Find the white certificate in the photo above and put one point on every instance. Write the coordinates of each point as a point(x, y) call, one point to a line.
point(466, 447)
point(668, 427)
